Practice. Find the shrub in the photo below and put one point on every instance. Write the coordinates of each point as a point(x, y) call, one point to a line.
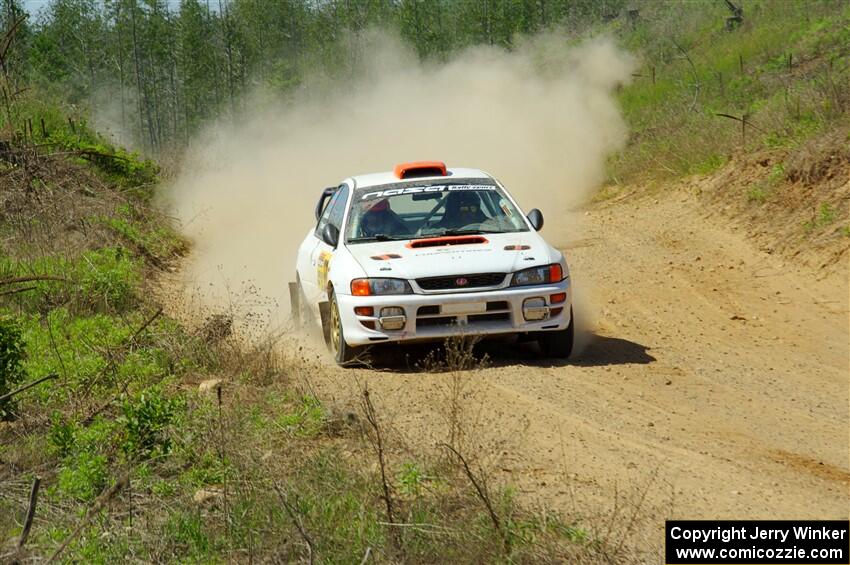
point(84, 476)
point(62, 439)
point(116, 164)
point(102, 279)
point(110, 275)
point(11, 362)
point(410, 479)
point(146, 419)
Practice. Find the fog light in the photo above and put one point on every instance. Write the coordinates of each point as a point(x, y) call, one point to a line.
point(393, 318)
point(535, 309)
point(557, 298)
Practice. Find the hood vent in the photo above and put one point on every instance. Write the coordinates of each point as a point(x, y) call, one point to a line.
point(444, 241)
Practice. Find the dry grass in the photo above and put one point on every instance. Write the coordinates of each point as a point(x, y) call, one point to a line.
point(228, 451)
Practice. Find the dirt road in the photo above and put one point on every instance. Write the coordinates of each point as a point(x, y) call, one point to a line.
point(714, 380)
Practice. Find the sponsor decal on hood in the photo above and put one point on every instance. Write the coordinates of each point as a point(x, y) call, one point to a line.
point(396, 259)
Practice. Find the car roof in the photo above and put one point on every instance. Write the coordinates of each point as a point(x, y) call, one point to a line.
point(388, 177)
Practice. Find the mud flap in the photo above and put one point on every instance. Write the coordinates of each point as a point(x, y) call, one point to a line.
point(325, 315)
point(295, 303)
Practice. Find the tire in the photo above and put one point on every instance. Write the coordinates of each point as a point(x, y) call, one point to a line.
point(558, 344)
point(343, 353)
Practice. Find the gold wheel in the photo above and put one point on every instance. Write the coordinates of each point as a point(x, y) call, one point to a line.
point(336, 332)
point(342, 352)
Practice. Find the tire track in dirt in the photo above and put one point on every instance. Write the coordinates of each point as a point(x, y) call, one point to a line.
point(716, 379)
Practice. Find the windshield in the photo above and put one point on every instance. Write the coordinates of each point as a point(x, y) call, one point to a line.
point(417, 211)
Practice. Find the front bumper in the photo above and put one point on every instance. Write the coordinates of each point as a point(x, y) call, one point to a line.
point(435, 316)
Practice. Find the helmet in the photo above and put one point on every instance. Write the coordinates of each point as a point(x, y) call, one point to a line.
point(381, 205)
point(372, 220)
point(461, 205)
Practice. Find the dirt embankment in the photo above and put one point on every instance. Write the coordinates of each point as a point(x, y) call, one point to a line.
point(794, 202)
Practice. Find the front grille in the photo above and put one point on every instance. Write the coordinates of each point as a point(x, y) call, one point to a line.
point(496, 317)
point(471, 320)
point(436, 322)
point(472, 281)
point(428, 310)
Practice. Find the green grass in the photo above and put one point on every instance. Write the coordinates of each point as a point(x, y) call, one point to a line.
point(762, 190)
point(66, 129)
point(12, 370)
point(89, 354)
point(411, 479)
point(305, 421)
point(825, 216)
point(98, 280)
point(158, 241)
point(675, 129)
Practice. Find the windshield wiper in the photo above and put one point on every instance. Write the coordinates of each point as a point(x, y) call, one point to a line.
point(466, 231)
point(376, 237)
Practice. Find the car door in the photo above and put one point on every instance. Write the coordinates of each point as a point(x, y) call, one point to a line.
point(321, 254)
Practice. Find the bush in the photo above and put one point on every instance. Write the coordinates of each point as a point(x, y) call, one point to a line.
point(146, 420)
point(109, 275)
point(84, 476)
point(116, 164)
point(102, 280)
point(11, 362)
point(84, 451)
point(62, 440)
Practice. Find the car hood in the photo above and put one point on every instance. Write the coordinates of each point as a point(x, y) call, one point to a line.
point(434, 257)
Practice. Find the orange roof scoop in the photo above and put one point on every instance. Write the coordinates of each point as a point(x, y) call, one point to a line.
point(420, 169)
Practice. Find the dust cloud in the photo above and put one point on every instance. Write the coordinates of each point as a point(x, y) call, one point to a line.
point(541, 118)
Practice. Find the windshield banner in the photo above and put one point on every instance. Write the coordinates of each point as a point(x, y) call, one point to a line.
point(418, 189)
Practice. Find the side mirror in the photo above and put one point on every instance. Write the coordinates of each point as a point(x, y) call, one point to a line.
point(330, 235)
point(536, 219)
point(320, 205)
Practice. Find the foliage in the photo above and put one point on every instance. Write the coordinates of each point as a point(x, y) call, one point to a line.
point(159, 70)
point(825, 216)
point(84, 476)
point(781, 70)
point(761, 190)
point(146, 419)
point(307, 419)
point(89, 353)
point(12, 355)
point(410, 478)
point(125, 168)
point(155, 239)
point(84, 470)
point(98, 280)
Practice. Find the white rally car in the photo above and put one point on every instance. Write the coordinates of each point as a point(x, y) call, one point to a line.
point(425, 252)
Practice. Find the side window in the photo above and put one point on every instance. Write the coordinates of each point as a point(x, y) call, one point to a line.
point(338, 207)
point(326, 214)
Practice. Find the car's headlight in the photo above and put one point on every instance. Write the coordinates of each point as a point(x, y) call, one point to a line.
point(539, 275)
point(377, 287)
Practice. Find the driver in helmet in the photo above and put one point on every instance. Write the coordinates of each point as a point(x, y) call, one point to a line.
point(378, 218)
point(463, 208)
